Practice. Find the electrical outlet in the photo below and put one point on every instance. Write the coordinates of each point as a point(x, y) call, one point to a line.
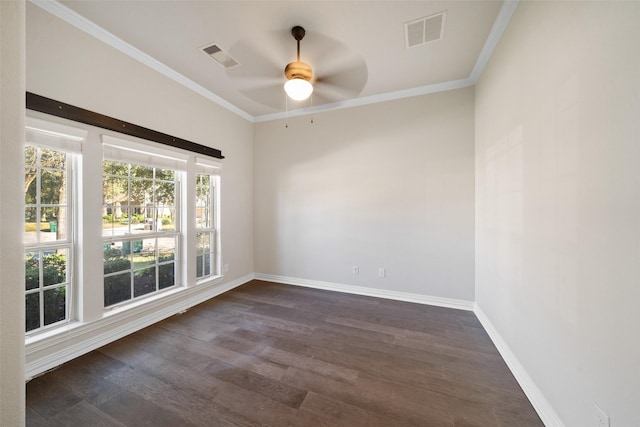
point(382, 272)
point(356, 270)
point(226, 268)
point(601, 419)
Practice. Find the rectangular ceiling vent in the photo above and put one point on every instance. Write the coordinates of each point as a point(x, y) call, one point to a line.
point(216, 53)
point(425, 30)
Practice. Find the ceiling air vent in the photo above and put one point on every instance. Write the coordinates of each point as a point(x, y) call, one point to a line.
point(220, 56)
point(425, 30)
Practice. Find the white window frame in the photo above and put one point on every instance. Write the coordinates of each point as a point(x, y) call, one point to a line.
point(211, 169)
point(134, 153)
point(41, 134)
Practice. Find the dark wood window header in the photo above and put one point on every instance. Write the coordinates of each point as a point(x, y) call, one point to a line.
point(77, 114)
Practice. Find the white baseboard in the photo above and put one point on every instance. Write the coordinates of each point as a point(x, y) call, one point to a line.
point(545, 411)
point(370, 292)
point(47, 353)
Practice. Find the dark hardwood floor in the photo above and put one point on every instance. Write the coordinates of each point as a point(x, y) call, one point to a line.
point(267, 354)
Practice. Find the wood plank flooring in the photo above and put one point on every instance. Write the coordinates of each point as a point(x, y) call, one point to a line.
point(267, 354)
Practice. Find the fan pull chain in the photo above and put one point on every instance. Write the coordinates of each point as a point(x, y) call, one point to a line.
point(311, 97)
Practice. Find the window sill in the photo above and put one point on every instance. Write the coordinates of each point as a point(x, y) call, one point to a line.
point(209, 280)
point(51, 332)
point(130, 305)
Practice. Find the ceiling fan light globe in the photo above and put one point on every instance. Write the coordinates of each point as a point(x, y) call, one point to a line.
point(298, 89)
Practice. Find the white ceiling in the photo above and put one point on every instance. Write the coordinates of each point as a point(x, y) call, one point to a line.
point(356, 48)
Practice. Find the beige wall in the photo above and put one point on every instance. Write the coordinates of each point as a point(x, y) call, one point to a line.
point(558, 203)
point(11, 176)
point(380, 186)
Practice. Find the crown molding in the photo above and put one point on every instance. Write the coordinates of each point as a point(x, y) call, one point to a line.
point(89, 27)
point(372, 99)
point(502, 20)
point(499, 25)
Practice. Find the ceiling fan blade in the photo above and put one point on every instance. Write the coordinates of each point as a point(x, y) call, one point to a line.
point(259, 59)
point(339, 72)
point(344, 81)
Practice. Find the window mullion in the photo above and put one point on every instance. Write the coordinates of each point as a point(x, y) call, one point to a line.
point(40, 287)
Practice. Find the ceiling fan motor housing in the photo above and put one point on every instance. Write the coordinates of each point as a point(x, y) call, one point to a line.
point(298, 70)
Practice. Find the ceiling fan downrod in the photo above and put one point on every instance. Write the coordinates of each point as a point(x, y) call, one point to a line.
point(298, 33)
point(298, 69)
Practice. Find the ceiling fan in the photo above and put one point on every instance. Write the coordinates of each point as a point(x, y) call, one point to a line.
point(298, 86)
point(338, 72)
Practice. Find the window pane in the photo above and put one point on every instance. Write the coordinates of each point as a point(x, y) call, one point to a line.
point(30, 156)
point(30, 225)
point(203, 217)
point(53, 224)
point(30, 186)
point(115, 189)
point(55, 305)
point(167, 275)
point(115, 198)
point(32, 311)
point(56, 224)
point(32, 270)
point(117, 289)
point(52, 159)
point(166, 248)
point(141, 192)
point(55, 267)
point(167, 218)
point(207, 264)
point(203, 243)
point(53, 188)
point(203, 201)
point(146, 255)
point(137, 218)
point(141, 171)
point(203, 180)
point(199, 265)
point(165, 174)
point(150, 221)
point(115, 168)
point(117, 257)
point(165, 193)
point(204, 256)
point(144, 281)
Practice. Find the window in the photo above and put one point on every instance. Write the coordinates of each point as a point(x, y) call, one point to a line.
point(206, 219)
point(135, 226)
point(140, 226)
point(49, 224)
point(140, 214)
